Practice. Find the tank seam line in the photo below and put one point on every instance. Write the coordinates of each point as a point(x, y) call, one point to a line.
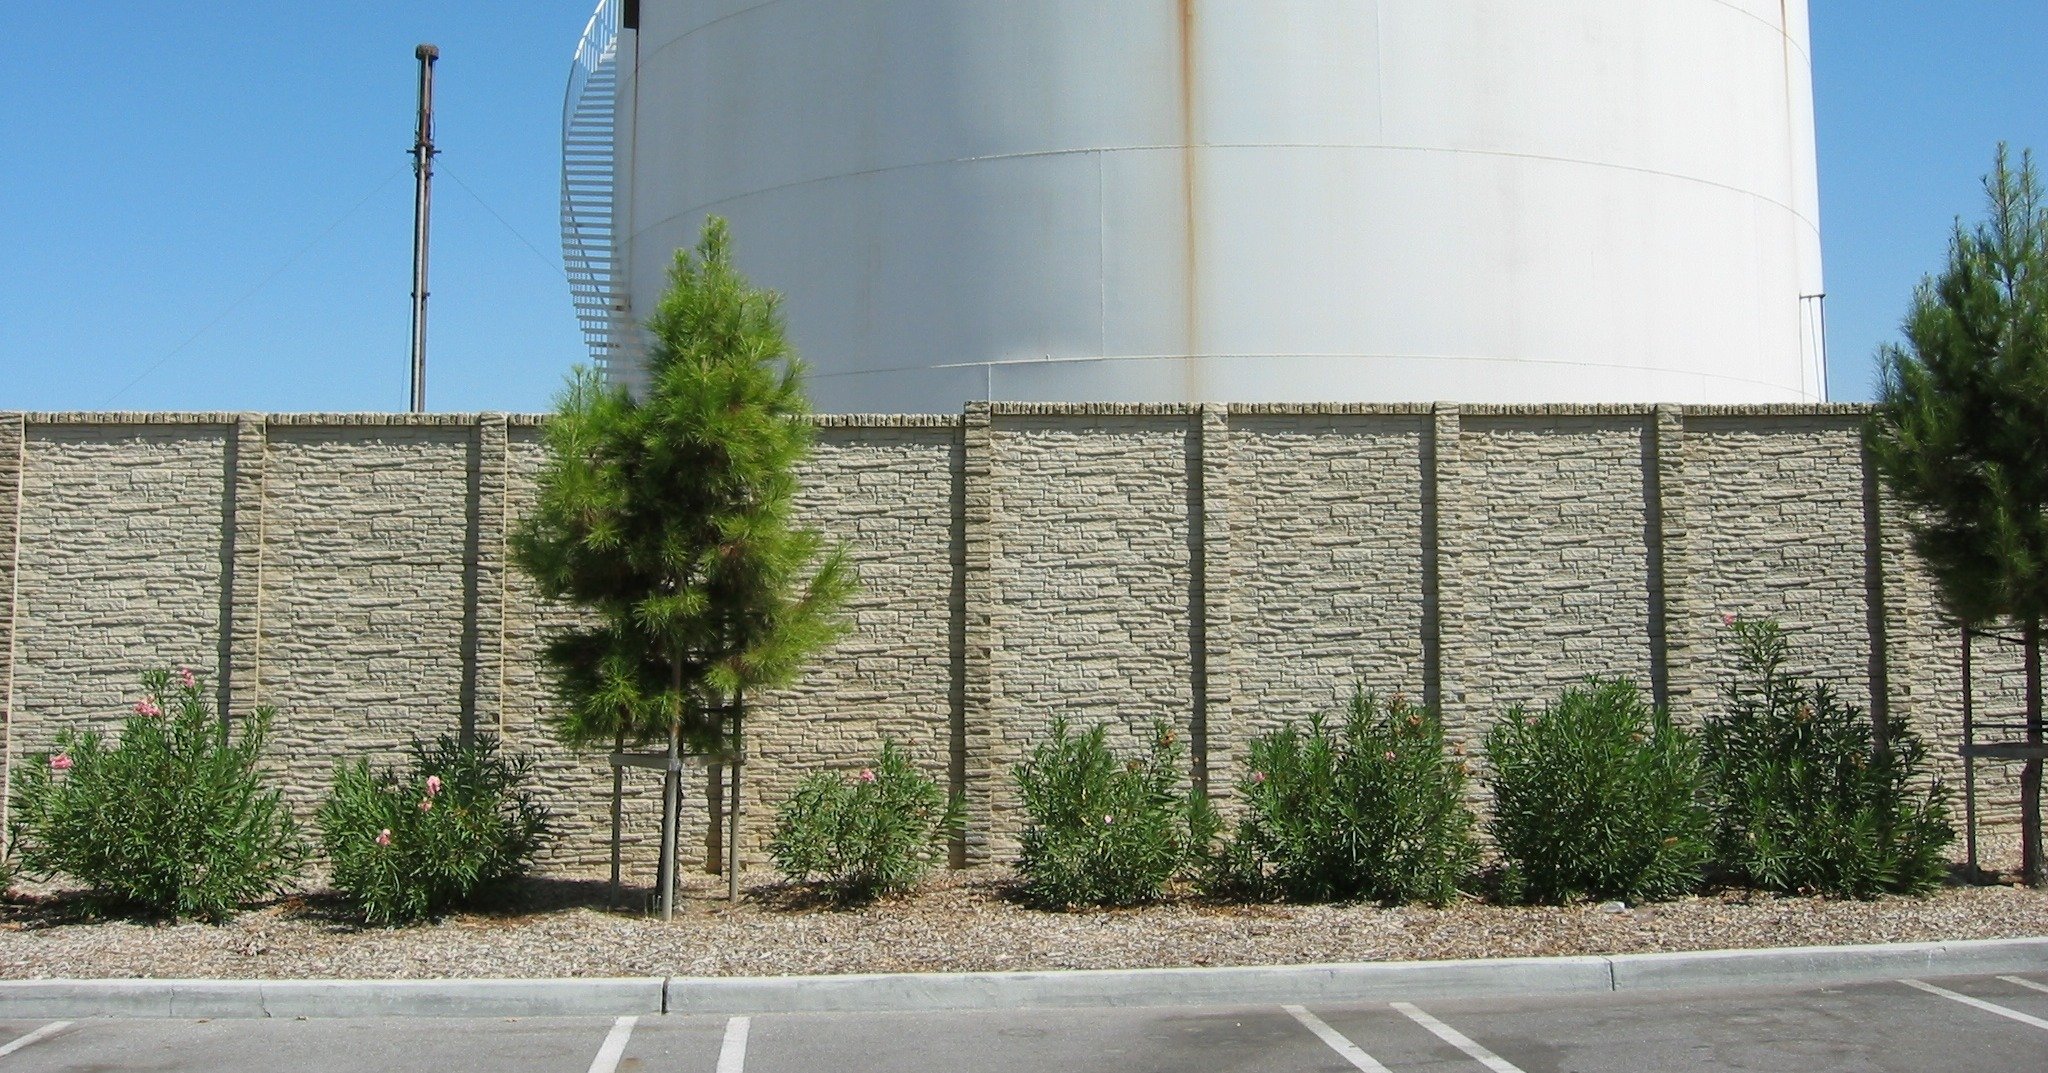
point(1082, 359)
point(1631, 168)
point(1782, 31)
point(727, 17)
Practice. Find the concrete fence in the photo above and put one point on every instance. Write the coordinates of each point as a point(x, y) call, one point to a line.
point(1224, 569)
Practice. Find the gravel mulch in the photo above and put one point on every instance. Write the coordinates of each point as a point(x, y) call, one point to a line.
point(963, 921)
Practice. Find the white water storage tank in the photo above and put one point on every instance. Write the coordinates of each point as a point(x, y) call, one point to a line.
point(1241, 200)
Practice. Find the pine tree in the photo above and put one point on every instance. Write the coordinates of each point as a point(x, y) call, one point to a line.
point(671, 517)
point(1961, 434)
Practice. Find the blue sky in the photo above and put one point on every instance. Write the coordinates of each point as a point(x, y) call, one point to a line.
point(209, 206)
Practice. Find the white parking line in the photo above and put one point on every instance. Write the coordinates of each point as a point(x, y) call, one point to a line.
point(44, 1032)
point(1459, 1040)
point(732, 1057)
point(1987, 1007)
point(1336, 1041)
point(2024, 982)
point(608, 1055)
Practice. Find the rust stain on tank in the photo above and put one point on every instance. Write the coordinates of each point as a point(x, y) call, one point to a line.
point(1791, 119)
point(1191, 201)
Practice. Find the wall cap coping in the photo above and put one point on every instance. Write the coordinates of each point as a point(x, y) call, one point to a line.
point(234, 417)
point(35, 418)
point(888, 421)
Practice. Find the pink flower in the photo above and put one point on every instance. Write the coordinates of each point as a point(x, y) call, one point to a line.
point(60, 762)
point(1258, 776)
point(1107, 819)
point(866, 775)
point(433, 785)
point(426, 804)
point(384, 837)
point(1390, 755)
point(1728, 618)
point(185, 677)
point(148, 707)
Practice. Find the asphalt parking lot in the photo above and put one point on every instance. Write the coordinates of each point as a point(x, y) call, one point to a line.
point(1965, 1025)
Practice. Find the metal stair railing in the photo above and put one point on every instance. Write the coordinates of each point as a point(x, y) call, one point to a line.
point(589, 185)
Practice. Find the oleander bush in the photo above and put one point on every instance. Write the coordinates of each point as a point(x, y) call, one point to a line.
point(878, 832)
point(1104, 830)
point(1597, 796)
point(445, 833)
point(1370, 809)
point(1804, 801)
point(173, 818)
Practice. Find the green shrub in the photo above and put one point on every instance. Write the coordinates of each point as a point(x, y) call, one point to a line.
point(1804, 803)
point(1372, 810)
point(174, 819)
point(444, 834)
point(1597, 797)
point(877, 833)
point(1104, 831)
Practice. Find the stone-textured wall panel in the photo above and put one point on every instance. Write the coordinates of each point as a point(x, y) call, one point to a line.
point(1927, 688)
point(1546, 528)
point(575, 785)
point(885, 494)
point(1092, 580)
point(884, 491)
point(1775, 520)
point(120, 567)
point(1925, 663)
point(1219, 568)
point(1998, 687)
point(1327, 563)
point(365, 530)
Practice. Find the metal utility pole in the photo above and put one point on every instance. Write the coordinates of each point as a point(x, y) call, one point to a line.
point(423, 173)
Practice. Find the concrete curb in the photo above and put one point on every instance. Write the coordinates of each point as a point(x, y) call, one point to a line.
point(331, 998)
point(1260, 985)
point(1249, 986)
point(1826, 964)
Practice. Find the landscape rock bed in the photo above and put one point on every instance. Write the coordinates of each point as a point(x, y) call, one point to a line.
point(963, 921)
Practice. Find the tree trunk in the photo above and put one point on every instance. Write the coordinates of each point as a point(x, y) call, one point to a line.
point(671, 793)
point(670, 805)
point(618, 792)
point(714, 826)
point(732, 815)
point(2030, 776)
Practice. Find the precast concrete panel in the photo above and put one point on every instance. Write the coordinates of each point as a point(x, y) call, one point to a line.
point(1242, 200)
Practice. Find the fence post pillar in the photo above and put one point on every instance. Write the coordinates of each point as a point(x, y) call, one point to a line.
point(1215, 733)
point(1678, 647)
point(13, 454)
point(483, 626)
point(978, 689)
point(1444, 526)
point(241, 673)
